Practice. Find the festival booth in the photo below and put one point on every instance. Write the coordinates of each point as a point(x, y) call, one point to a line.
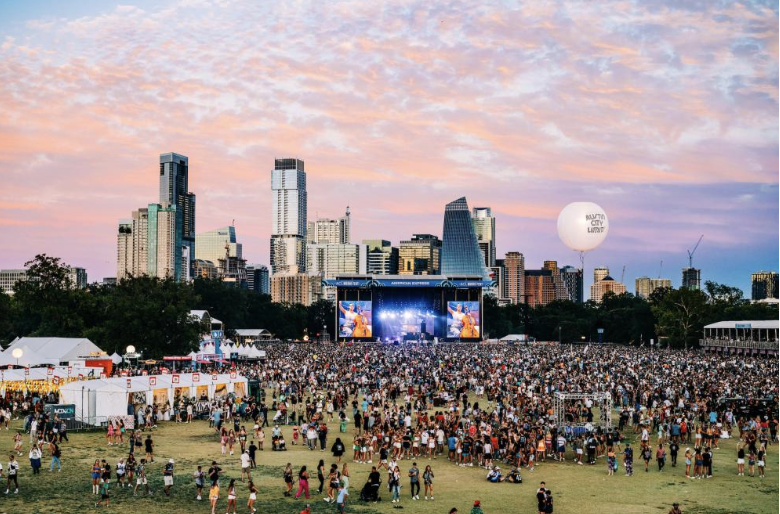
point(41, 380)
point(97, 401)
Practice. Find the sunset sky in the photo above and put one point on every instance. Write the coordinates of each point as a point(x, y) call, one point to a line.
point(665, 113)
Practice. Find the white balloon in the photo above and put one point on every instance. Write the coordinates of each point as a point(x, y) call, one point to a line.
point(582, 226)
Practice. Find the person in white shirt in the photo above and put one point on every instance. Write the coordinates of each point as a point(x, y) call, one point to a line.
point(246, 463)
point(13, 469)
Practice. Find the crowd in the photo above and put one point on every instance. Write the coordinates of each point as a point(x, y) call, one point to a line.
point(465, 405)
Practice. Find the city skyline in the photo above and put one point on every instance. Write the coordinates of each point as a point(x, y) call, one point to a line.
point(673, 136)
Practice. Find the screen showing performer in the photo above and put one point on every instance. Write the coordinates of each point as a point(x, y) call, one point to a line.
point(463, 320)
point(355, 319)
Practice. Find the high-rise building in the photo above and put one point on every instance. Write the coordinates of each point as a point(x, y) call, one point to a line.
point(572, 283)
point(216, 244)
point(485, 229)
point(763, 285)
point(288, 209)
point(291, 288)
point(202, 268)
point(382, 257)
point(558, 286)
point(645, 286)
point(257, 279)
point(420, 255)
point(499, 276)
point(124, 249)
point(691, 278)
point(329, 260)
point(460, 254)
point(164, 258)
point(174, 191)
point(540, 286)
point(9, 277)
point(604, 285)
point(78, 277)
point(325, 230)
point(514, 264)
point(600, 273)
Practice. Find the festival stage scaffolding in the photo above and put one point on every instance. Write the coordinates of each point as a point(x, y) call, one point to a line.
point(601, 401)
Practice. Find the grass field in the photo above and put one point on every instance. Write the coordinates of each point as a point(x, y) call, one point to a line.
point(577, 489)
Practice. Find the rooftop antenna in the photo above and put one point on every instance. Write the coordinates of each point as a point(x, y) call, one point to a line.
point(691, 252)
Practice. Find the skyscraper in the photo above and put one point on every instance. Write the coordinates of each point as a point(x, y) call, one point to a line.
point(164, 259)
point(763, 285)
point(140, 229)
point(514, 264)
point(603, 284)
point(288, 209)
point(257, 279)
point(559, 288)
point(540, 286)
point(326, 230)
point(174, 191)
point(420, 255)
point(460, 253)
point(572, 282)
point(485, 230)
point(124, 249)
point(78, 277)
point(645, 286)
point(221, 248)
point(382, 257)
point(691, 278)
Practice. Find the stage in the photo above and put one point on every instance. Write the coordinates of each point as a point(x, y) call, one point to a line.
point(395, 308)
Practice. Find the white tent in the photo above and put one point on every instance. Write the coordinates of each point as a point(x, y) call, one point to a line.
point(50, 350)
point(116, 358)
point(96, 400)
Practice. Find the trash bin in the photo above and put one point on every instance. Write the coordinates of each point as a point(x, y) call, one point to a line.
point(343, 426)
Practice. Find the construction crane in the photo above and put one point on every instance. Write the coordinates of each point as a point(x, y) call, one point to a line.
point(691, 252)
point(661, 269)
point(623, 275)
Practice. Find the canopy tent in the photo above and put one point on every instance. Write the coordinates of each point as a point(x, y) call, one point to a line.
point(116, 358)
point(102, 398)
point(50, 350)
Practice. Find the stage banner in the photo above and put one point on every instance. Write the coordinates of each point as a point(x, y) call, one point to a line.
point(355, 319)
point(463, 320)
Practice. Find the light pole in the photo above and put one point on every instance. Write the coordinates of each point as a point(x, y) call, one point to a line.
point(17, 354)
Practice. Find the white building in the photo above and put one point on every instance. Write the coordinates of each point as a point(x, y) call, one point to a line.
point(288, 216)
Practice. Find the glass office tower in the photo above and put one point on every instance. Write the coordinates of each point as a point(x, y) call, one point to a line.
point(461, 254)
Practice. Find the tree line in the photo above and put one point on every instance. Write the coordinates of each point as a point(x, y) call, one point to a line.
point(153, 314)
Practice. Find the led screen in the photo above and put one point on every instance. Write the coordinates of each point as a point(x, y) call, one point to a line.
point(463, 320)
point(355, 319)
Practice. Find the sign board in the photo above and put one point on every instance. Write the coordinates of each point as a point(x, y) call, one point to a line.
point(233, 375)
point(27, 371)
point(152, 381)
point(214, 377)
point(129, 383)
point(50, 371)
point(70, 370)
point(175, 378)
point(600, 330)
point(743, 325)
point(63, 411)
point(196, 377)
point(216, 334)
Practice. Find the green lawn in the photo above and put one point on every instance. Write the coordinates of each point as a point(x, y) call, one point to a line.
point(577, 489)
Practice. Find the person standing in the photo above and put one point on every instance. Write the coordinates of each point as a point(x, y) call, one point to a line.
point(214, 496)
point(303, 483)
point(13, 470)
point(96, 470)
point(414, 478)
point(168, 477)
point(660, 457)
point(628, 460)
point(149, 449)
point(232, 496)
point(250, 503)
point(200, 478)
point(252, 454)
point(428, 481)
point(541, 498)
point(35, 459)
point(141, 478)
point(214, 472)
point(341, 499)
point(674, 448)
point(246, 463)
point(288, 479)
point(395, 484)
point(103, 494)
point(121, 468)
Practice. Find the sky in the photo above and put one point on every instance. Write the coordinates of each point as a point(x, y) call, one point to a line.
point(665, 113)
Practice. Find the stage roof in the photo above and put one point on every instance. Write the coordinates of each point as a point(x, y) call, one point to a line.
point(407, 281)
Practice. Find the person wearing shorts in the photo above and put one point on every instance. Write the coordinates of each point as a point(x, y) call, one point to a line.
point(140, 478)
point(168, 477)
point(13, 470)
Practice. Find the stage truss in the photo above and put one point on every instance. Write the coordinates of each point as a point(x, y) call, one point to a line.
point(601, 401)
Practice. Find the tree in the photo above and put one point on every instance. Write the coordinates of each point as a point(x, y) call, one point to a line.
point(680, 314)
point(321, 315)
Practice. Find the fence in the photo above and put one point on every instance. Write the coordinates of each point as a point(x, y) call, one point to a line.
point(736, 343)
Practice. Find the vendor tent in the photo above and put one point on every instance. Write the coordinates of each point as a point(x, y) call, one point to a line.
point(50, 350)
point(96, 400)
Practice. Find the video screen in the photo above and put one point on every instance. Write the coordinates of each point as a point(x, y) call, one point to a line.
point(355, 319)
point(463, 320)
